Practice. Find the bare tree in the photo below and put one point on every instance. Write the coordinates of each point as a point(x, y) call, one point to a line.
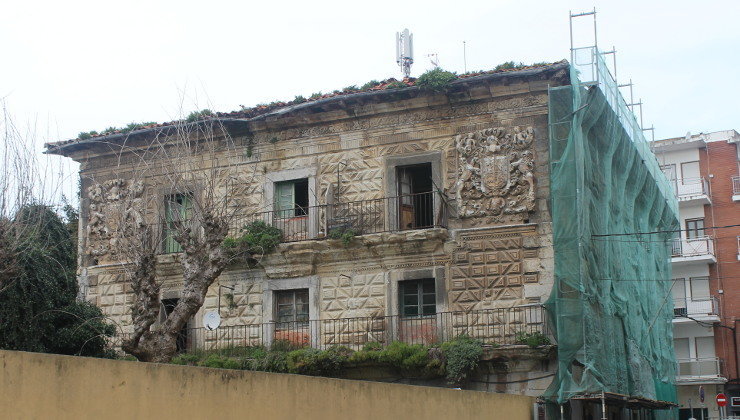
point(175, 190)
point(25, 179)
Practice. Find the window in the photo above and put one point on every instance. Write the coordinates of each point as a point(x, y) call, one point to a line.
point(166, 308)
point(694, 228)
point(291, 198)
point(690, 172)
point(699, 287)
point(178, 208)
point(415, 196)
point(291, 306)
point(417, 297)
point(705, 347)
point(682, 348)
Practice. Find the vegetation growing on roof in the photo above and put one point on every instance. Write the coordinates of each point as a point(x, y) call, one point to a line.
point(199, 115)
point(396, 85)
point(369, 85)
point(436, 80)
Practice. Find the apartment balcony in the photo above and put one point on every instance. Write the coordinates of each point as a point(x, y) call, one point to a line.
point(692, 191)
point(699, 371)
point(736, 188)
point(694, 250)
point(690, 309)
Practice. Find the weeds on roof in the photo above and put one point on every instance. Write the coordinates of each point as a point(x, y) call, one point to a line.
point(199, 115)
point(436, 80)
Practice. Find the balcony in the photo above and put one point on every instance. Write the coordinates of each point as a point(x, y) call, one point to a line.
point(702, 309)
point(736, 188)
point(496, 327)
point(695, 250)
point(692, 191)
point(388, 214)
point(699, 371)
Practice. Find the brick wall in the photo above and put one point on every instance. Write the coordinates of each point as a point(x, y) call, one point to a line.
point(719, 163)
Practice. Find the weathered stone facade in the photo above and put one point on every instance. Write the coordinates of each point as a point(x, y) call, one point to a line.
point(487, 143)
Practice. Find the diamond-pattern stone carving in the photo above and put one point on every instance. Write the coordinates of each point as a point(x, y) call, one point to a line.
point(362, 295)
point(486, 269)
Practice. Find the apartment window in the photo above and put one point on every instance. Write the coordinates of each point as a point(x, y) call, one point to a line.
point(291, 198)
point(682, 348)
point(705, 347)
point(699, 287)
point(690, 172)
point(291, 306)
point(694, 228)
point(178, 208)
point(417, 297)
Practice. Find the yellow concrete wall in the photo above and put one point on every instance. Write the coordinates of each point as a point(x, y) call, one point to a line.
point(43, 386)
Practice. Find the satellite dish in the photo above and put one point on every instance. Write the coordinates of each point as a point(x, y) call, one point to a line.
point(211, 320)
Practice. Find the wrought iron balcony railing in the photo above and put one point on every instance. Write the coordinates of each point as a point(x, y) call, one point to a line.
point(503, 326)
point(387, 214)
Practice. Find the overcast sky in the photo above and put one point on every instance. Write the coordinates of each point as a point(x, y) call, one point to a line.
point(76, 66)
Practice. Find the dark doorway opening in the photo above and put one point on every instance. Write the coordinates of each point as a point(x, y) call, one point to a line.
point(415, 196)
point(182, 336)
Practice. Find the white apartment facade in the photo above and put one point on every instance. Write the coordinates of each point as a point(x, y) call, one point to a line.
point(697, 295)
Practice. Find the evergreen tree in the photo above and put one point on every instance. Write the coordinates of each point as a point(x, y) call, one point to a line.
point(38, 307)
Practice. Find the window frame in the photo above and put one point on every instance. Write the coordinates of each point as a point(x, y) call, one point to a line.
point(186, 208)
point(295, 209)
point(420, 293)
point(295, 321)
point(693, 231)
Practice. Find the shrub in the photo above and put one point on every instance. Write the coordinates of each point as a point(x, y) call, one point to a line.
point(396, 85)
point(436, 80)
point(534, 339)
point(257, 238)
point(199, 115)
point(220, 362)
point(298, 99)
point(345, 234)
point(273, 361)
point(369, 85)
point(315, 362)
point(186, 359)
point(405, 356)
point(462, 356)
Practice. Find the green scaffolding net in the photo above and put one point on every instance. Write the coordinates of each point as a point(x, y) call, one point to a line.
point(611, 306)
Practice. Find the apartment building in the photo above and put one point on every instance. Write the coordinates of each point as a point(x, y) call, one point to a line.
point(703, 169)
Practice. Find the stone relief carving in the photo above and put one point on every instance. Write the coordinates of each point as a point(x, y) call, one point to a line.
point(495, 172)
point(113, 204)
